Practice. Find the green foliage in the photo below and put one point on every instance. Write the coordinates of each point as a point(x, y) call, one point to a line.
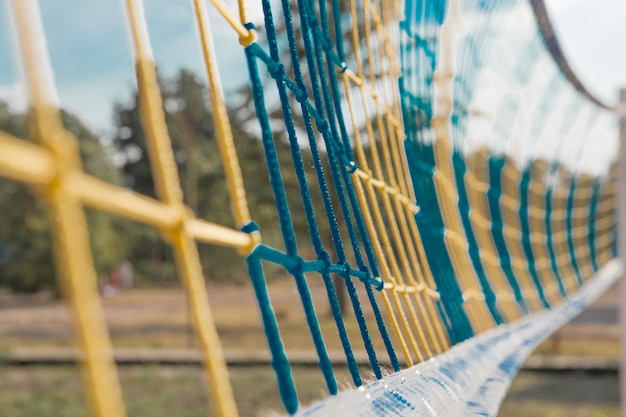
point(25, 239)
point(24, 228)
point(24, 231)
point(202, 175)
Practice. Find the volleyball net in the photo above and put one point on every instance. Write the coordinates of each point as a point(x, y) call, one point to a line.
point(466, 177)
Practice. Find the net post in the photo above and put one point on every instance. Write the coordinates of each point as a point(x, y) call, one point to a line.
point(621, 111)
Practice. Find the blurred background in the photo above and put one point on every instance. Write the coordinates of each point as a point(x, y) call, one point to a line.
point(573, 374)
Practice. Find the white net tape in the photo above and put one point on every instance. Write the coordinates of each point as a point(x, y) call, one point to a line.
point(470, 379)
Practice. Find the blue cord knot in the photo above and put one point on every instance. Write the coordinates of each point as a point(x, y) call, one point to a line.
point(277, 71)
point(365, 276)
point(298, 268)
point(377, 282)
point(301, 94)
point(322, 126)
point(351, 167)
point(325, 257)
point(327, 42)
point(249, 26)
point(312, 19)
point(344, 269)
point(250, 227)
point(343, 66)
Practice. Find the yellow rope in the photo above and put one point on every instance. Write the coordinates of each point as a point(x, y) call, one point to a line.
point(68, 224)
point(479, 215)
point(384, 268)
point(169, 190)
point(385, 191)
point(55, 168)
point(41, 168)
point(246, 36)
point(224, 134)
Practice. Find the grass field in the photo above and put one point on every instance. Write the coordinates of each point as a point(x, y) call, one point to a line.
point(177, 391)
point(158, 319)
point(151, 391)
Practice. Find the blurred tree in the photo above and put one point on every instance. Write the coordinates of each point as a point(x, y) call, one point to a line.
point(190, 126)
point(27, 264)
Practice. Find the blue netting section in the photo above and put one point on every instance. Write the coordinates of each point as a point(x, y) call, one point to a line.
point(509, 114)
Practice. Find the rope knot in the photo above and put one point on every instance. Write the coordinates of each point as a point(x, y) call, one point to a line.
point(325, 257)
point(277, 71)
point(301, 94)
point(344, 269)
point(327, 42)
point(322, 125)
point(253, 229)
point(351, 167)
point(298, 268)
point(252, 37)
point(250, 227)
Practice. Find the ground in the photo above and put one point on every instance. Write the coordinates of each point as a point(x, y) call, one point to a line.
point(158, 319)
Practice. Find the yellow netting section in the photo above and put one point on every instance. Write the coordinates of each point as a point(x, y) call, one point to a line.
point(478, 186)
point(456, 243)
point(54, 168)
point(384, 189)
point(383, 184)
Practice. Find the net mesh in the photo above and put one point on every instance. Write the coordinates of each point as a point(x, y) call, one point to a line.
point(465, 176)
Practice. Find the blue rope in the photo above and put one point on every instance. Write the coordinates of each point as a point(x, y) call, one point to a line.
point(550, 244)
point(333, 151)
point(497, 229)
point(416, 97)
point(431, 227)
point(287, 227)
point(322, 96)
point(331, 125)
point(417, 115)
point(280, 363)
point(592, 224)
point(570, 236)
point(460, 169)
point(525, 228)
point(323, 128)
point(313, 83)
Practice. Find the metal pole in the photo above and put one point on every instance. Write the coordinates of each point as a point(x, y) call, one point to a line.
point(621, 204)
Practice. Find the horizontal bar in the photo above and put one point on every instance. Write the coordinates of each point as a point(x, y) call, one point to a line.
point(123, 202)
point(212, 233)
point(24, 161)
point(102, 195)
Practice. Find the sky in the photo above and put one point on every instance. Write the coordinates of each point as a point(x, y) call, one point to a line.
point(92, 64)
point(592, 34)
